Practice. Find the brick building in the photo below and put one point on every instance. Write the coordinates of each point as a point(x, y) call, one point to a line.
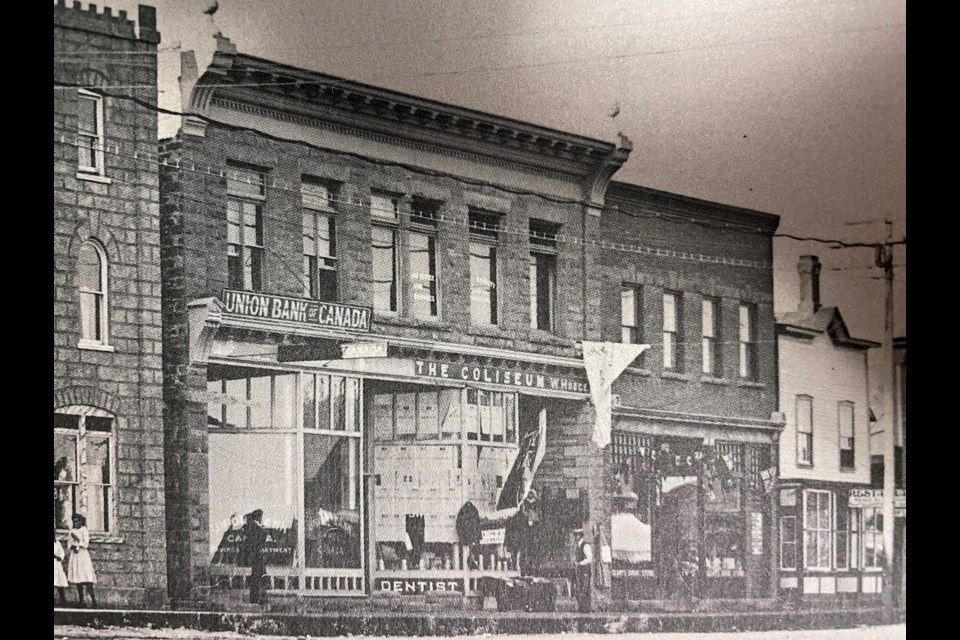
point(831, 547)
point(693, 456)
point(374, 310)
point(107, 389)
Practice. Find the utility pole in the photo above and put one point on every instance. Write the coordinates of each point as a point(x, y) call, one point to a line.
point(884, 259)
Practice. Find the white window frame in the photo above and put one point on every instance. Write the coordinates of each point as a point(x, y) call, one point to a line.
point(259, 200)
point(673, 333)
point(841, 406)
point(747, 338)
point(102, 296)
point(490, 238)
point(82, 486)
point(710, 363)
point(318, 213)
point(98, 168)
point(808, 462)
point(817, 531)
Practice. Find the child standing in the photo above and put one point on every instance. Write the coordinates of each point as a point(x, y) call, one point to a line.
point(80, 566)
point(59, 577)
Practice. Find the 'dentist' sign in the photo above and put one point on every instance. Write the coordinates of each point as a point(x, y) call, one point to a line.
point(507, 376)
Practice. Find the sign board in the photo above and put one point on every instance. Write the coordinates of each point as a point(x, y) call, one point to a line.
point(508, 376)
point(873, 499)
point(492, 536)
point(415, 586)
point(250, 304)
point(363, 350)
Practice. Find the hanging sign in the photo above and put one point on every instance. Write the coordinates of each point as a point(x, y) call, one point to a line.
point(303, 311)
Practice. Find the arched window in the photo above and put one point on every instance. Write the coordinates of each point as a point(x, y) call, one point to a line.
point(92, 278)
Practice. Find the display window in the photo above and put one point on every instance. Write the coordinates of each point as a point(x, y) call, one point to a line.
point(439, 513)
point(290, 445)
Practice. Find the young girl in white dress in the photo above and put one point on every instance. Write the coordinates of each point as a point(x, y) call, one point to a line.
point(59, 577)
point(80, 566)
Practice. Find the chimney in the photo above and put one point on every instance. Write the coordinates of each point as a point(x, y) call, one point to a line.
point(809, 268)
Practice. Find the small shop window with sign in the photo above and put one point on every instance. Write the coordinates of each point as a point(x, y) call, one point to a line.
point(436, 450)
point(289, 445)
point(723, 503)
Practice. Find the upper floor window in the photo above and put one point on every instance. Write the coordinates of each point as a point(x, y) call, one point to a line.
point(672, 331)
point(83, 453)
point(484, 229)
point(631, 317)
point(422, 247)
point(319, 241)
point(804, 430)
point(710, 321)
point(90, 132)
point(846, 426)
point(246, 193)
point(385, 214)
point(92, 278)
point(748, 342)
point(543, 266)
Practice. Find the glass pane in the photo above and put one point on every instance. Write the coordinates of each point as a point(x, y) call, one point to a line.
point(87, 152)
point(326, 236)
point(482, 283)
point(250, 471)
point(260, 410)
point(383, 417)
point(215, 403)
point(383, 206)
point(90, 315)
point(509, 417)
point(309, 234)
point(96, 469)
point(423, 272)
point(323, 402)
point(354, 413)
point(406, 411)
point(285, 401)
point(823, 549)
point(745, 328)
point(810, 508)
point(428, 415)
point(707, 356)
point(810, 548)
point(236, 401)
point(89, 274)
point(64, 474)
point(338, 401)
point(841, 549)
point(823, 511)
point(708, 326)
point(846, 420)
point(449, 413)
point(307, 391)
point(243, 182)
point(234, 208)
point(87, 114)
point(326, 285)
point(98, 508)
point(384, 269)
point(628, 307)
point(315, 196)
point(669, 312)
point(668, 354)
point(332, 513)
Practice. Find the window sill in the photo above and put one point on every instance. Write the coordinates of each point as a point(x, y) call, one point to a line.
point(546, 337)
point(95, 346)
point(489, 330)
point(93, 177)
point(401, 321)
point(804, 465)
point(848, 470)
point(750, 384)
point(638, 371)
point(675, 375)
point(711, 380)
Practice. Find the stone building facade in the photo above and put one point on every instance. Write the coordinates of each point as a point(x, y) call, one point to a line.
point(108, 430)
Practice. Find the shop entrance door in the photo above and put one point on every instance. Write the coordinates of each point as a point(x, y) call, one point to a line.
point(675, 538)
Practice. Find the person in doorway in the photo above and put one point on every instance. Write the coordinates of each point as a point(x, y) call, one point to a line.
point(253, 541)
point(583, 572)
point(59, 575)
point(80, 565)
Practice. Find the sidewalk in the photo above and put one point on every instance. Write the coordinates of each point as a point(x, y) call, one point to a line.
point(453, 623)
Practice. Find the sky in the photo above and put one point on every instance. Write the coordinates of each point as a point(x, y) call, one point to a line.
point(793, 107)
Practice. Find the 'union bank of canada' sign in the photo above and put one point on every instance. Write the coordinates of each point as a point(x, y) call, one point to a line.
point(251, 304)
point(499, 375)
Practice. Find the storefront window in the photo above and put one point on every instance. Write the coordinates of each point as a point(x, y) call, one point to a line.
point(267, 431)
point(788, 542)
point(872, 537)
point(82, 467)
point(464, 443)
point(817, 529)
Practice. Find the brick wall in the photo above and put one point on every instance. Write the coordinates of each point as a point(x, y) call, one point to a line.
point(635, 224)
point(122, 214)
